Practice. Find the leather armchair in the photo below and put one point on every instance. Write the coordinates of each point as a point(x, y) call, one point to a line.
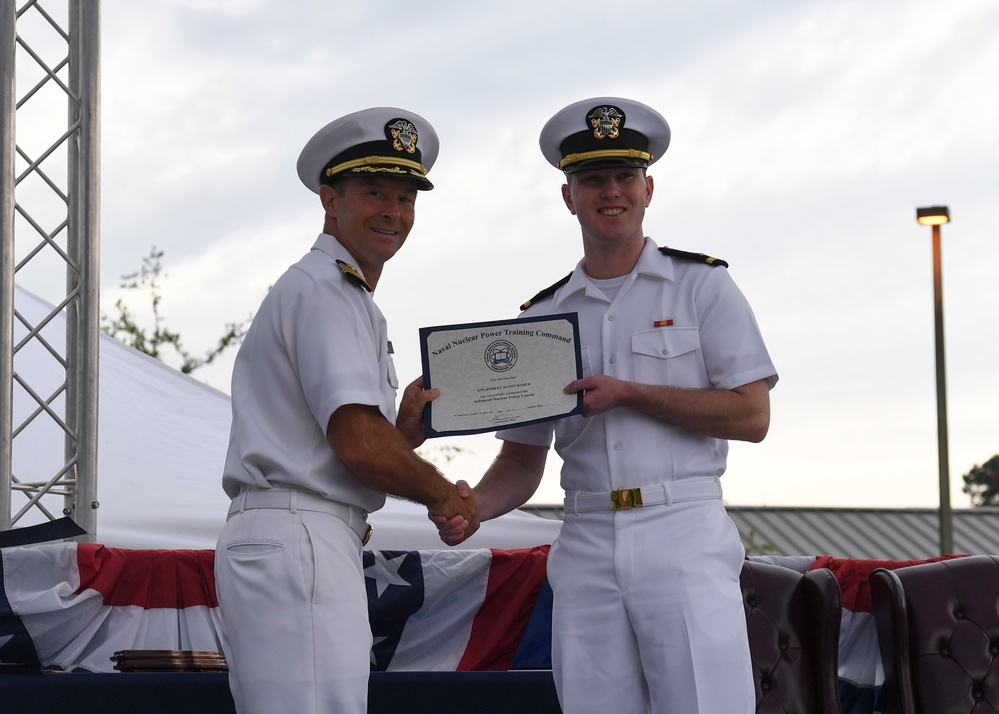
point(938, 632)
point(794, 623)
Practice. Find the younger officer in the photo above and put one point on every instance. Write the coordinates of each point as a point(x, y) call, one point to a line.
point(648, 613)
point(316, 442)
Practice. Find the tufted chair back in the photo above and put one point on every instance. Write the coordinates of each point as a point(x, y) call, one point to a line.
point(938, 631)
point(794, 623)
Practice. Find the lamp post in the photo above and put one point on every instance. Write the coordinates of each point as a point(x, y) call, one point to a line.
point(936, 216)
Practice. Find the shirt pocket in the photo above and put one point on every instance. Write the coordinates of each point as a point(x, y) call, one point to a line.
point(667, 356)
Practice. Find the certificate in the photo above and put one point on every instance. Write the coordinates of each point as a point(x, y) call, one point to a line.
point(496, 375)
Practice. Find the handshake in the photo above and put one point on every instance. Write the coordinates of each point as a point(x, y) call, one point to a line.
point(457, 517)
point(453, 508)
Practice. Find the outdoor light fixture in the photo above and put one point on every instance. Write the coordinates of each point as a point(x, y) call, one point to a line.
point(933, 216)
point(936, 216)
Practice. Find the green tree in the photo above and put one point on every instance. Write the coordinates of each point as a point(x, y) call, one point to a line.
point(440, 453)
point(754, 548)
point(125, 328)
point(982, 483)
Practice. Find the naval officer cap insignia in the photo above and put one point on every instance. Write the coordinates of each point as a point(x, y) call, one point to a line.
point(604, 132)
point(383, 141)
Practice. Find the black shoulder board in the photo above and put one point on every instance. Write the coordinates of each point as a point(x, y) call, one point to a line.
point(698, 257)
point(353, 275)
point(547, 292)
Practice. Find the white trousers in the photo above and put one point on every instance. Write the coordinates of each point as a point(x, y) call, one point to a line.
point(294, 613)
point(648, 613)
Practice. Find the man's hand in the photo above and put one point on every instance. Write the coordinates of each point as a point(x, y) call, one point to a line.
point(600, 393)
point(459, 527)
point(410, 418)
point(741, 413)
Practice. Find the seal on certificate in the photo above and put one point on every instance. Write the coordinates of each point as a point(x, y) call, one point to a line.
point(500, 356)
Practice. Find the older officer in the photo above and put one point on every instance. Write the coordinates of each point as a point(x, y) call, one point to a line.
point(316, 442)
point(648, 613)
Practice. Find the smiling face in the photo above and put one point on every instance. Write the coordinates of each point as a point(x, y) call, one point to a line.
point(371, 218)
point(610, 205)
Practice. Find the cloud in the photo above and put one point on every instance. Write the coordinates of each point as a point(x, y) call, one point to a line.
point(804, 136)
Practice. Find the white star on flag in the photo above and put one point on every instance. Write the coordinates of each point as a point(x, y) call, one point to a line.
point(385, 571)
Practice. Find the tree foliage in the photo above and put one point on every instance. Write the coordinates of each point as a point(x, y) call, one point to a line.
point(982, 483)
point(126, 328)
point(756, 548)
point(438, 453)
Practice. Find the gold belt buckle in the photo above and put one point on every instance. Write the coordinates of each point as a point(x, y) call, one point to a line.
point(625, 498)
point(367, 535)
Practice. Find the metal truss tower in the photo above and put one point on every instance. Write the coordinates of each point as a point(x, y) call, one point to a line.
point(50, 202)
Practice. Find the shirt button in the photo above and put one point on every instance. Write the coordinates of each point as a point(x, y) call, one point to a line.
point(610, 317)
point(617, 447)
point(665, 351)
point(611, 359)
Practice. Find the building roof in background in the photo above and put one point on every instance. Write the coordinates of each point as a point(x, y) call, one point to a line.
point(866, 533)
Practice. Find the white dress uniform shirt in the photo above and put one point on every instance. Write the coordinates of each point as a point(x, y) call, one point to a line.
point(317, 343)
point(672, 322)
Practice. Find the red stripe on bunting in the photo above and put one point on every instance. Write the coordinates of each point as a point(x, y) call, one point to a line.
point(149, 579)
point(515, 580)
point(852, 576)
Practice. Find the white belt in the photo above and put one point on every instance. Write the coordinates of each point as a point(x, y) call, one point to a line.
point(662, 494)
point(293, 500)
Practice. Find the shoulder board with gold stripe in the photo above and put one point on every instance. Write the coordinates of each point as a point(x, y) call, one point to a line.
point(353, 275)
point(697, 257)
point(547, 292)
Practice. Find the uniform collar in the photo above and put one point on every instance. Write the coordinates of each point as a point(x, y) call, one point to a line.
point(332, 247)
point(650, 262)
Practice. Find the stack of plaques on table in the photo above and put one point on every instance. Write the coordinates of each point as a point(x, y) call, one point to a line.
point(169, 661)
point(19, 668)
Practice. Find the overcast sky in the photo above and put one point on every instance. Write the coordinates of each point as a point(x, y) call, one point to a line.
point(804, 137)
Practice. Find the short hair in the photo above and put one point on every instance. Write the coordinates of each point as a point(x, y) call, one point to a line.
point(338, 183)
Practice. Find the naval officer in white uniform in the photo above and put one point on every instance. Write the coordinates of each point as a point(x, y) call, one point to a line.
point(316, 442)
point(648, 612)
